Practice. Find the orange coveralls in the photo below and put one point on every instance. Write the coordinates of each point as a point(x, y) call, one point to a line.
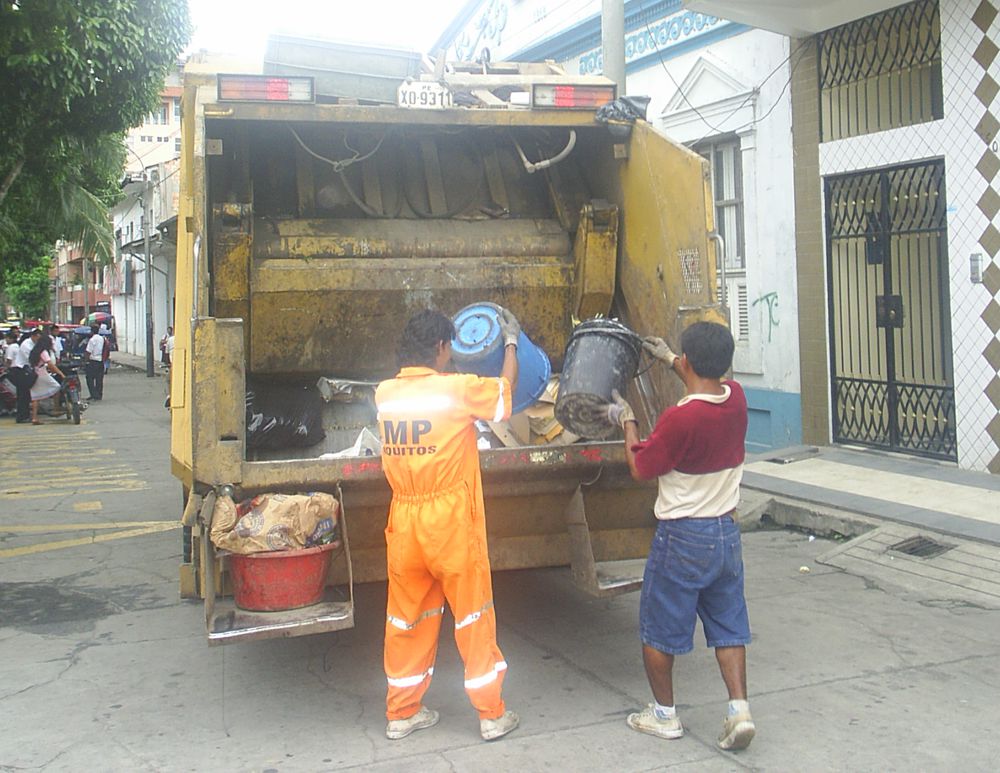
point(436, 537)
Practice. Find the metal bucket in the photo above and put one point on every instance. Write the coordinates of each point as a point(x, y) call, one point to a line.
point(478, 348)
point(601, 355)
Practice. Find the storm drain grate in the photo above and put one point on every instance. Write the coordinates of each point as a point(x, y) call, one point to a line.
point(921, 547)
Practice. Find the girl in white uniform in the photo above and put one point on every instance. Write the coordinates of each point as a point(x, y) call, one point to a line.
point(45, 385)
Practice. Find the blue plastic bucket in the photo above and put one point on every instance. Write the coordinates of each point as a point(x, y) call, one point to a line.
point(478, 348)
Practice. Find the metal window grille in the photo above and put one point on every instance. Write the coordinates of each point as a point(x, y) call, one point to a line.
point(881, 72)
point(726, 162)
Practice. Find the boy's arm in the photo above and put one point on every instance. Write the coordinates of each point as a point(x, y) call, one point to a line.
point(631, 429)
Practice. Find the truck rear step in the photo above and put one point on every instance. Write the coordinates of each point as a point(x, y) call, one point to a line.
point(226, 623)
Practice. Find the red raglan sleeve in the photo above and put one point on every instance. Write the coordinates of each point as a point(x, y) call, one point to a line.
point(664, 448)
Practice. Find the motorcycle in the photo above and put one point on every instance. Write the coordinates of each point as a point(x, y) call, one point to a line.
point(8, 394)
point(71, 392)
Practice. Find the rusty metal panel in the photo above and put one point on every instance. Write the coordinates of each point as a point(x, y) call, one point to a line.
point(345, 315)
point(389, 238)
point(666, 271)
point(596, 252)
point(218, 400)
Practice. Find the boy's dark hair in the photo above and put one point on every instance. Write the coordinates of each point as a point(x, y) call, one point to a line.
point(709, 348)
point(423, 332)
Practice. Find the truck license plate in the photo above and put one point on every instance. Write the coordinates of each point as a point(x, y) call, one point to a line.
point(430, 96)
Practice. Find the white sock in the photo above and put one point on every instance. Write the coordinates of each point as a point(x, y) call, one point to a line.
point(664, 712)
point(738, 707)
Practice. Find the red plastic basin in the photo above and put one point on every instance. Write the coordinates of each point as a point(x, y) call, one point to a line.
point(287, 579)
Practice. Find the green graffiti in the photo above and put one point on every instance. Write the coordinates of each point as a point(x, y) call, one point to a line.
point(771, 299)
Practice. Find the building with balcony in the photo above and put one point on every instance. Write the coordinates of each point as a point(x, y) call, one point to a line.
point(77, 285)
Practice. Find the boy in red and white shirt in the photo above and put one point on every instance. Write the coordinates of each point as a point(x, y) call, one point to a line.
point(695, 564)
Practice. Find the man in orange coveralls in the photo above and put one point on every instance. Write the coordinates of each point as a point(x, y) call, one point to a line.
point(436, 537)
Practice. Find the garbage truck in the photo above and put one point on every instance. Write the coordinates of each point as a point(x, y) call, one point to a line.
point(312, 225)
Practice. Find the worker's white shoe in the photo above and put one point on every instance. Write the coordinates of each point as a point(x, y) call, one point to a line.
point(646, 721)
point(491, 729)
point(737, 732)
point(400, 728)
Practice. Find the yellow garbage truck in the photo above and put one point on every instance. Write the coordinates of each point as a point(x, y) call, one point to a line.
point(312, 226)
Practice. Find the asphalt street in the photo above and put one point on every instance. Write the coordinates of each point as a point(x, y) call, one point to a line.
point(103, 667)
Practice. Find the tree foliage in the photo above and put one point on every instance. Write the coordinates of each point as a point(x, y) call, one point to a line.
point(74, 75)
point(27, 288)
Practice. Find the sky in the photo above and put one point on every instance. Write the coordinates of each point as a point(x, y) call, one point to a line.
point(242, 26)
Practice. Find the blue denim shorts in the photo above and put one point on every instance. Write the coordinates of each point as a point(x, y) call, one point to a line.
point(695, 567)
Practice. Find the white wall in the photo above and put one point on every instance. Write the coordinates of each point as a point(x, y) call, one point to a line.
point(130, 309)
point(760, 115)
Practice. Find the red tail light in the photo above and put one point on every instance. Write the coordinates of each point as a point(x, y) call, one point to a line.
point(265, 88)
point(582, 97)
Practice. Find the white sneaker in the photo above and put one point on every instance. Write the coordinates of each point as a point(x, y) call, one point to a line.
point(646, 721)
point(400, 728)
point(491, 729)
point(737, 732)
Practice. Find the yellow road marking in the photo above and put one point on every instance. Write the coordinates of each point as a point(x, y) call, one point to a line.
point(45, 547)
point(35, 528)
point(70, 469)
point(125, 486)
point(84, 480)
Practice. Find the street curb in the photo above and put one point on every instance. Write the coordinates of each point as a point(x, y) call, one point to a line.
point(133, 367)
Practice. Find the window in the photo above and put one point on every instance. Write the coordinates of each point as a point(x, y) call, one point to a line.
point(177, 110)
point(881, 72)
point(159, 116)
point(726, 161)
point(177, 144)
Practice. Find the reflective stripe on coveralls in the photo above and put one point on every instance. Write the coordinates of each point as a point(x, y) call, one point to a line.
point(436, 535)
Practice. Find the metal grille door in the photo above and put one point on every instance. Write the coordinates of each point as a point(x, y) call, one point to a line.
point(890, 324)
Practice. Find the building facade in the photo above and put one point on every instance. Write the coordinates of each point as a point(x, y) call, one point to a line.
point(896, 123)
point(127, 280)
point(719, 87)
point(153, 151)
point(77, 285)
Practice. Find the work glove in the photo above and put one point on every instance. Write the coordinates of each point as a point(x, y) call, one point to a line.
point(510, 328)
point(658, 348)
point(619, 411)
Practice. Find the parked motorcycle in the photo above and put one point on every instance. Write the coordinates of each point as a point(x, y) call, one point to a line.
point(8, 394)
point(71, 392)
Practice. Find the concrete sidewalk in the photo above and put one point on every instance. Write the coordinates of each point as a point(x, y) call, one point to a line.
point(920, 493)
point(136, 362)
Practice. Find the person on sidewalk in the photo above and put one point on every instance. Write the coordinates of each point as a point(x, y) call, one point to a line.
point(436, 536)
point(695, 564)
point(164, 354)
point(94, 354)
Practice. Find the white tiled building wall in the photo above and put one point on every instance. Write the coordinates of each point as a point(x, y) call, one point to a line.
point(955, 139)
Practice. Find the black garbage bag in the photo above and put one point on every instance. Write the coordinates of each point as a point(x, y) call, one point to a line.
point(281, 415)
point(627, 109)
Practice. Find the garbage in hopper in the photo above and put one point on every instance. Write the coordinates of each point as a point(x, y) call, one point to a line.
point(275, 522)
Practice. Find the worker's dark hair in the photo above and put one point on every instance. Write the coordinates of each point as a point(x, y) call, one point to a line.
point(44, 345)
point(423, 332)
point(709, 348)
point(94, 329)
